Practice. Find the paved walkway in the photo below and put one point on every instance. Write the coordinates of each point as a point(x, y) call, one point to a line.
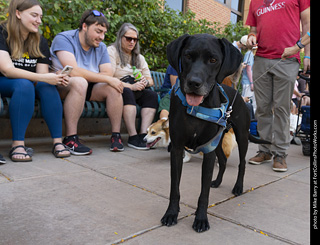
point(115, 198)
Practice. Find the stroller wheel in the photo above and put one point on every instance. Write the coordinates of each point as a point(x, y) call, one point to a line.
point(306, 148)
point(295, 141)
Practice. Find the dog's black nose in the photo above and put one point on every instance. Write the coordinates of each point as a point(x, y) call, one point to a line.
point(194, 83)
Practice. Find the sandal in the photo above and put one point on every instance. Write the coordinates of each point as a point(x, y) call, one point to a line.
point(2, 160)
point(29, 152)
point(57, 154)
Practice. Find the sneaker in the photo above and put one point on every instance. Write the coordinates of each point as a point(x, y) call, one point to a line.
point(279, 163)
point(261, 157)
point(141, 137)
point(2, 160)
point(136, 143)
point(75, 147)
point(116, 143)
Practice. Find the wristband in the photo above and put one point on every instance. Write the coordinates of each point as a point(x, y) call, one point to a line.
point(307, 57)
point(300, 45)
point(308, 34)
point(251, 34)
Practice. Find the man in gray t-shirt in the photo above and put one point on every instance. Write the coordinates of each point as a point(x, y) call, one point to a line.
point(91, 77)
point(87, 59)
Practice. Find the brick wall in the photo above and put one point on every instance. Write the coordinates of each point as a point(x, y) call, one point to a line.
point(210, 10)
point(246, 10)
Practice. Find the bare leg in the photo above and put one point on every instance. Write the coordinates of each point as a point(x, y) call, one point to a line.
point(129, 117)
point(74, 95)
point(114, 103)
point(147, 115)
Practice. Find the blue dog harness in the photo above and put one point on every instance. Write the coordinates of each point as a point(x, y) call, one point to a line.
point(215, 115)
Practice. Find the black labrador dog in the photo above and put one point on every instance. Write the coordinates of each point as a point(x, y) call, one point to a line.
point(202, 61)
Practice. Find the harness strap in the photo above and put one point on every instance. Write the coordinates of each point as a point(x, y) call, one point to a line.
point(210, 146)
point(215, 115)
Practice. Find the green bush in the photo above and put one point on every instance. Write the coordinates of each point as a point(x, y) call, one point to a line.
point(235, 31)
point(158, 25)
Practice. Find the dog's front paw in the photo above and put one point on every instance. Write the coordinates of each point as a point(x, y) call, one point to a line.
point(237, 190)
point(201, 225)
point(216, 183)
point(170, 218)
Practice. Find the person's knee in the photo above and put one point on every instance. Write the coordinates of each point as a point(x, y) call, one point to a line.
point(104, 92)
point(46, 90)
point(79, 85)
point(152, 96)
point(24, 88)
point(49, 96)
point(112, 92)
point(128, 97)
point(127, 92)
point(149, 100)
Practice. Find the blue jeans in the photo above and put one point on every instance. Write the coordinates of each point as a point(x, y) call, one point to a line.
point(23, 93)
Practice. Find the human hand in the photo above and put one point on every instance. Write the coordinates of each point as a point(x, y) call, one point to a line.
point(138, 86)
point(56, 79)
point(306, 65)
point(116, 84)
point(65, 81)
point(246, 99)
point(145, 81)
point(290, 51)
point(252, 42)
point(251, 86)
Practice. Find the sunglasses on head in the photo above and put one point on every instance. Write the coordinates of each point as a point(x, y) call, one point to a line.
point(95, 13)
point(129, 39)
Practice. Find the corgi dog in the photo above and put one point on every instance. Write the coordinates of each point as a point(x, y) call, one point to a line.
point(158, 136)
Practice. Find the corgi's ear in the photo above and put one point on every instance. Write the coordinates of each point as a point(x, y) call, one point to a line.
point(165, 124)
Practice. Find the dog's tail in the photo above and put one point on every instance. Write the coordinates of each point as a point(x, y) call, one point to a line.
point(256, 140)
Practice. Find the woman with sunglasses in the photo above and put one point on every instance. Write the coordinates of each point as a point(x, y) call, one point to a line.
point(24, 74)
point(124, 54)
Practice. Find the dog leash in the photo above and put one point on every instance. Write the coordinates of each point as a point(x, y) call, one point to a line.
point(275, 64)
point(228, 112)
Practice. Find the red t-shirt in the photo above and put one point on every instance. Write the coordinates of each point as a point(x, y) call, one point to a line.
point(278, 25)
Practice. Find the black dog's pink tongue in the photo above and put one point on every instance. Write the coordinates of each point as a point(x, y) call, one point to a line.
point(194, 99)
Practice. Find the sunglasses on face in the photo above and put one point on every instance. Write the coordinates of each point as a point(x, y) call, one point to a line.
point(129, 39)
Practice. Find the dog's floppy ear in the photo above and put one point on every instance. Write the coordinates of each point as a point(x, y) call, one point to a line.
point(232, 59)
point(174, 51)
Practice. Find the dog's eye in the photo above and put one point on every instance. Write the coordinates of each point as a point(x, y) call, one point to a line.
point(153, 133)
point(188, 56)
point(213, 60)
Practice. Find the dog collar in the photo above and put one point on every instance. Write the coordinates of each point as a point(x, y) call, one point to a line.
point(215, 115)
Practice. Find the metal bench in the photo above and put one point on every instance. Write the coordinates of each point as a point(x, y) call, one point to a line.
point(92, 109)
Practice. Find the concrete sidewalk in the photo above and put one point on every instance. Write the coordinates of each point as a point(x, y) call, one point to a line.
point(113, 198)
